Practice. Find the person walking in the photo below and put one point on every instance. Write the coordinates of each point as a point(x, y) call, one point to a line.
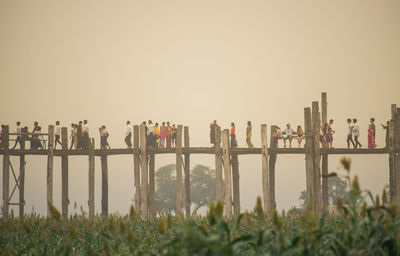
point(85, 135)
point(169, 135)
point(330, 131)
point(80, 135)
point(150, 135)
point(72, 136)
point(356, 132)
point(373, 127)
point(386, 128)
point(173, 136)
point(163, 132)
point(104, 137)
point(371, 138)
point(350, 133)
point(156, 135)
point(300, 135)
point(248, 135)
point(57, 134)
point(128, 134)
point(212, 131)
point(19, 137)
point(233, 136)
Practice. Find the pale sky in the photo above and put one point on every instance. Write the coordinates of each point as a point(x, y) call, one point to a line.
point(190, 62)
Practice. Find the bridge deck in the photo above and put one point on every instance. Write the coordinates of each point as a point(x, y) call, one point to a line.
point(195, 150)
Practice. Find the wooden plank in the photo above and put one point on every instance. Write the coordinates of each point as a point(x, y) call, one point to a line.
point(316, 119)
point(309, 137)
point(136, 166)
point(64, 174)
point(6, 173)
point(152, 187)
point(179, 182)
point(227, 173)
point(91, 179)
point(144, 173)
point(104, 186)
point(236, 184)
point(267, 180)
point(50, 168)
point(218, 164)
point(187, 171)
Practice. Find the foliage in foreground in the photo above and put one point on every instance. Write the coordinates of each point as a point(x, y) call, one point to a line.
point(357, 229)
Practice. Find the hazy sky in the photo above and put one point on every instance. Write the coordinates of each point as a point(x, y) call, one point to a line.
point(190, 62)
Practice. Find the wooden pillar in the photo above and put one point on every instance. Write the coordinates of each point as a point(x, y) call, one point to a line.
point(64, 172)
point(179, 193)
point(187, 171)
point(392, 176)
point(268, 180)
point(309, 159)
point(227, 173)
point(104, 186)
point(218, 165)
point(91, 179)
point(272, 161)
point(324, 118)
point(50, 166)
point(22, 180)
point(316, 119)
point(144, 173)
point(152, 187)
point(397, 156)
point(236, 184)
point(6, 173)
point(136, 166)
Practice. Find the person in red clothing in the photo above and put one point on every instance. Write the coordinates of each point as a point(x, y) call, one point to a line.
point(233, 136)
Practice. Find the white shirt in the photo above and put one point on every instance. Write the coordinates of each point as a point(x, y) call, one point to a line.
point(288, 132)
point(85, 128)
point(356, 130)
point(151, 129)
point(58, 130)
point(128, 129)
point(19, 129)
point(350, 132)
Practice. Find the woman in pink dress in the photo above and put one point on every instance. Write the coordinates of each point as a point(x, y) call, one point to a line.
point(162, 135)
point(371, 138)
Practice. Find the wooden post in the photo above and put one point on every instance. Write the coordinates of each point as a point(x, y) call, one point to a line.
point(268, 179)
point(324, 117)
point(272, 160)
point(6, 173)
point(393, 111)
point(50, 165)
point(22, 180)
point(179, 182)
point(235, 183)
point(392, 176)
point(136, 166)
point(309, 159)
point(397, 156)
point(104, 186)
point(317, 156)
point(144, 176)
point(64, 172)
point(218, 165)
point(152, 187)
point(91, 179)
point(227, 173)
point(187, 172)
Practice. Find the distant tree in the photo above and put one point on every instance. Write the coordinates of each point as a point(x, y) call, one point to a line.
point(337, 188)
point(202, 187)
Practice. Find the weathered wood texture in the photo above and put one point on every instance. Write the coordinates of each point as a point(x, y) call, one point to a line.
point(50, 168)
point(179, 180)
point(64, 174)
point(22, 182)
point(152, 186)
point(309, 158)
point(91, 179)
point(227, 173)
point(136, 166)
point(187, 171)
point(144, 173)
point(316, 119)
point(104, 186)
point(218, 164)
point(268, 179)
point(324, 164)
point(6, 173)
point(392, 177)
point(235, 184)
point(396, 156)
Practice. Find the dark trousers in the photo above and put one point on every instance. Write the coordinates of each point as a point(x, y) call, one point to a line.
point(57, 141)
point(128, 140)
point(233, 141)
point(350, 139)
point(357, 142)
point(18, 140)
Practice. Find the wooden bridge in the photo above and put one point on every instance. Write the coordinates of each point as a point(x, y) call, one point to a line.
point(226, 166)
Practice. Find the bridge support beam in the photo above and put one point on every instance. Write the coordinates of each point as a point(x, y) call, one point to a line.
point(227, 172)
point(144, 173)
point(50, 166)
point(91, 179)
point(324, 165)
point(104, 186)
point(187, 171)
point(152, 187)
point(136, 166)
point(64, 173)
point(6, 173)
point(218, 165)
point(179, 180)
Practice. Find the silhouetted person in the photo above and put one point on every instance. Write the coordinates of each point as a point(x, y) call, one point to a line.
point(103, 137)
point(57, 135)
point(85, 135)
point(212, 131)
point(19, 137)
point(128, 134)
point(386, 127)
point(350, 134)
point(249, 134)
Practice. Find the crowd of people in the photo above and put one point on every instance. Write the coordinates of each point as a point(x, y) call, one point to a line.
point(164, 135)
